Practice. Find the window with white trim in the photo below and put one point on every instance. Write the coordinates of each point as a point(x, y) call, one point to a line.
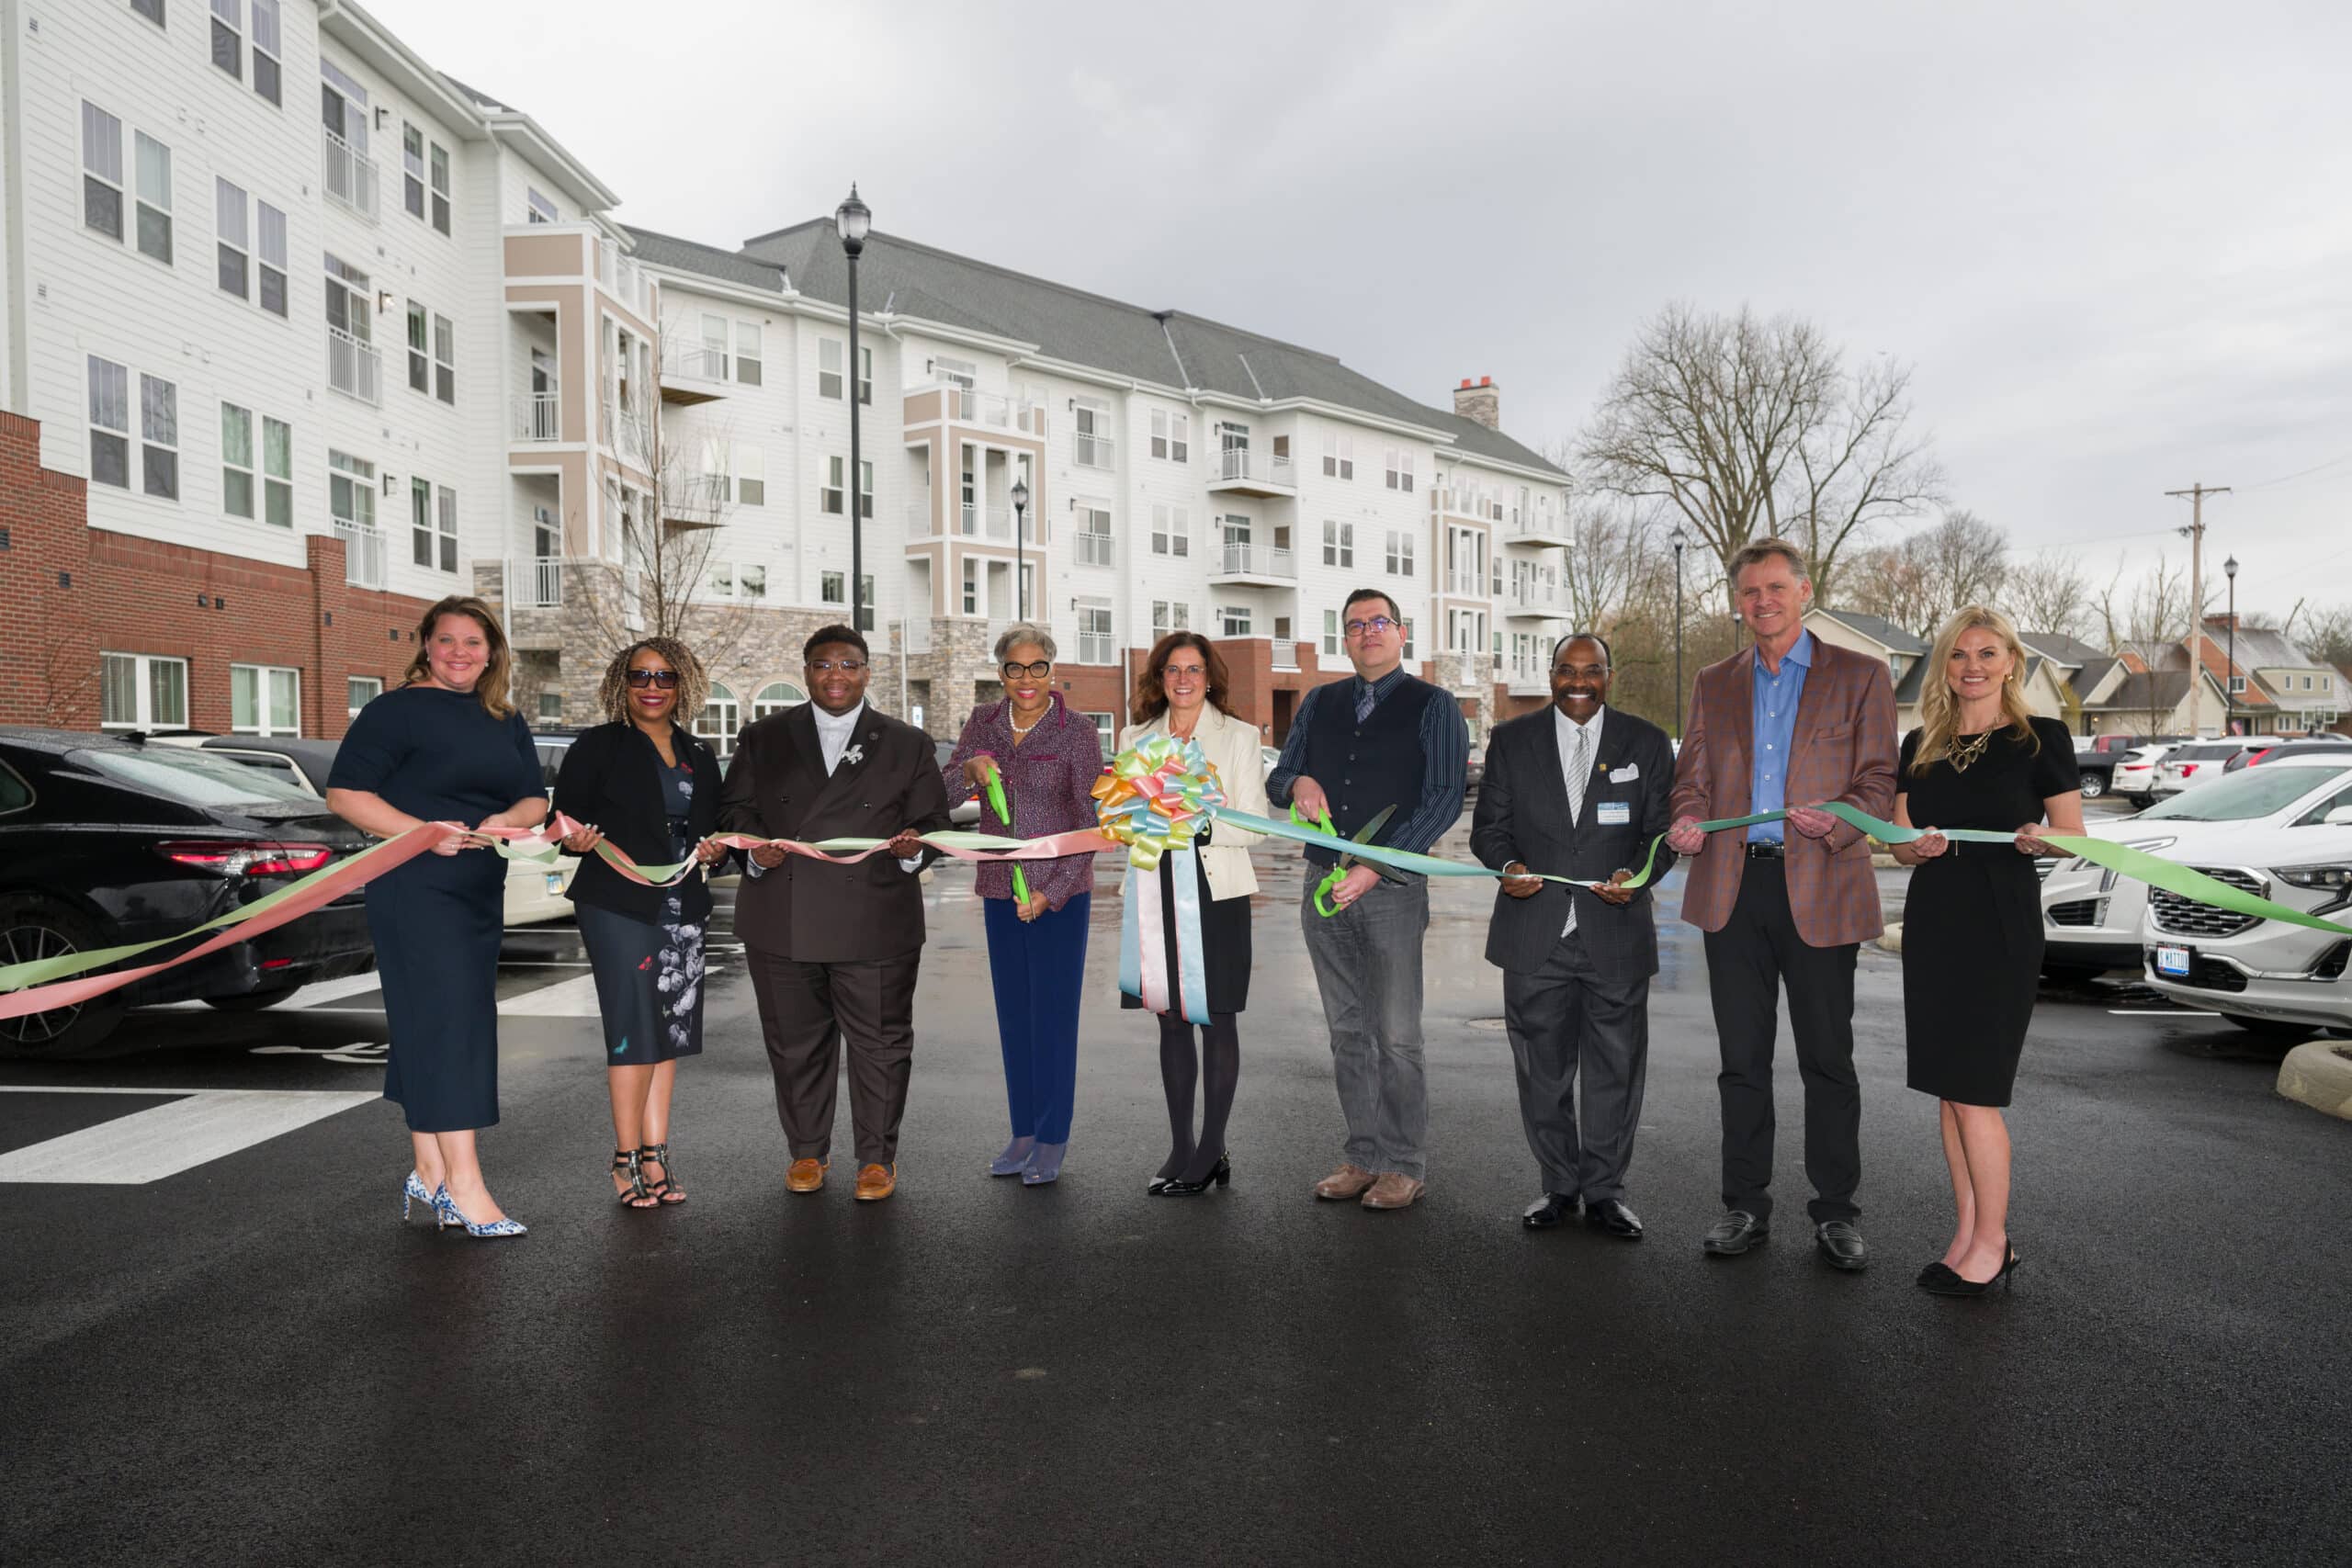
point(440, 178)
point(420, 356)
point(537, 208)
point(420, 523)
point(776, 696)
point(751, 580)
point(142, 690)
point(1339, 456)
point(1400, 552)
point(154, 198)
point(1172, 436)
point(1234, 619)
point(102, 186)
point(264, 699)
point(830, 499)
point(151, 10)
point(718, 580)
point(832, 588)
point(1400, 469)
point(228, 36)
point(1171, 528)
point(865, 488)
point(1169, 615)
point(720, 718)
point(277, 472)
point(865, 375)
point(957, 372)
point(747, 353)
point(1339, 544)
point(269, 52)
point(1096, 546)
point(445, 359)
point(412, 168)
point(751, 470)
point(351, 311)
point(1330, 633)
point(359, 691)
point(351, 490)
point(159, 438)
point(110, 422)
point(234, 245)
point(1091, 444)
point(1106, 730)
point(237, 461)
point(971, 596)
point(272, 267)
point(1095, 643)
point(832, 355)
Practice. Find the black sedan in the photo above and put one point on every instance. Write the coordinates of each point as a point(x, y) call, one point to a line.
point(108, 839)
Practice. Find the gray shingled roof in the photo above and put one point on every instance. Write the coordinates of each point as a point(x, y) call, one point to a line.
point(2088, 678)
point(478, 96)
point(686, 255)
point(1171, 348)
point(2157, 692)
point(1878, 627)
point(2261, 647)
point(2062, 647)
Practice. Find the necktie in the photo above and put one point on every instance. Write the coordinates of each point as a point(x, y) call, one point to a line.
point(1577, 763)
point(1365, 697)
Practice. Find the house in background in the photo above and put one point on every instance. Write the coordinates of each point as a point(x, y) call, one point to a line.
point(2046, 692)
point(2131, 699)
point(2275, 687)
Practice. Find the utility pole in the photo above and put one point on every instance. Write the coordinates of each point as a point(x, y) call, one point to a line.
point(2196, 532)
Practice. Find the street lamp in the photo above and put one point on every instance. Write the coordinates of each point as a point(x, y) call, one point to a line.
point(2230, 675)
point(1680, 540)
point(852, 220)
point(1020, 528)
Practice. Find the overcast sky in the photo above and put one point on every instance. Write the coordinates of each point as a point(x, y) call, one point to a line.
point(2114, 240)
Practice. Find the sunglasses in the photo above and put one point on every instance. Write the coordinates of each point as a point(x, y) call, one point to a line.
point(1037, 672)
point(846, 666)
point(665, 679)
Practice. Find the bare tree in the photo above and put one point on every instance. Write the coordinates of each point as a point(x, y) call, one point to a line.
point(2152, 614)
point(1615, 546)
point(1748, 427)
point(1918, 582)
point(2048, 592)
point(2327, 635)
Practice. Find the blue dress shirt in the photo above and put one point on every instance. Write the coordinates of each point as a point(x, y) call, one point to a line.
point(1773, 723)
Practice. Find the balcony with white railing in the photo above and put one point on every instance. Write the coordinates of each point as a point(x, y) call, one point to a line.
point(1526, 677)
point(349, 176)
point(1255, 563)
point(1539, 527)
point(1285, 654)
point(1251, 473)
point(693, 373)
point(363, 554)
point(1097, 648)
point(1093, 451)
point(1466, 585)
point(695, 501)
point(975, 521)
point(538, 417)
point(534, 583)
point(1097, 550)
point(1538, 601)
point(354, 368)
point(958, 405)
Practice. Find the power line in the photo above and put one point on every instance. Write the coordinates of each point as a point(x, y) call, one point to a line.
point(2299, 473)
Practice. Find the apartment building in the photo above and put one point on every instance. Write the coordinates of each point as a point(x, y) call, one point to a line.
point(319, 328)
point(299, 335)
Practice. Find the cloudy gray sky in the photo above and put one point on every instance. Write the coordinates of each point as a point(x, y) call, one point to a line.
point(2113, 240)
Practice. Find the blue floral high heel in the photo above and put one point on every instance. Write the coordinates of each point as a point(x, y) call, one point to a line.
point(451, 1215)
point(412, 1193)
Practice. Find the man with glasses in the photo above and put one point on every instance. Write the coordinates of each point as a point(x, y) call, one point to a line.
point(1358, 747)
point(833, 949)
point(1578, 789)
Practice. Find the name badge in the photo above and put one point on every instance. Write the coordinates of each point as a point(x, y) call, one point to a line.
point(1615, 813)
point(1626, 774)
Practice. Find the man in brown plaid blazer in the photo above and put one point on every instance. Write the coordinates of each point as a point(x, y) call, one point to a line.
point(1790, 723)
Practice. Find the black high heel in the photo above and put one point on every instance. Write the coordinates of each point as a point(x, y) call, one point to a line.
point(1221, 1176)
point(1955, 1284)
point(624, 1162)
point(663, 1192)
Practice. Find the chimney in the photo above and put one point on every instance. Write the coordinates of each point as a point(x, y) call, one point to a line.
point(1482, 403)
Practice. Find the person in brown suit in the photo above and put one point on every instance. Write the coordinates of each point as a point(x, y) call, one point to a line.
point(834, 950)
point(1791, 722)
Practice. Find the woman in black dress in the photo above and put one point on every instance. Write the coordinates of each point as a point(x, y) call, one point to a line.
point(447, 746)
point(1972, 922)
point(646, 782)
point(1180, 693)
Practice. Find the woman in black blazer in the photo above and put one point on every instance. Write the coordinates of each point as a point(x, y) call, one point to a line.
point(647, 783)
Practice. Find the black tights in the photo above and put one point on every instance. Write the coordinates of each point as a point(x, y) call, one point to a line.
point(1191, 1159)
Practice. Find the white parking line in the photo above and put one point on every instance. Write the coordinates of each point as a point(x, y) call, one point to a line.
point(164, 1140)
point(2159, 1013)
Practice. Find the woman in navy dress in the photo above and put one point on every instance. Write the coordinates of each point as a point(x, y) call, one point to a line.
point(447, 746)
point(647, 783)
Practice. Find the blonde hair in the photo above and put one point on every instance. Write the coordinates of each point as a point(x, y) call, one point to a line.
point(491, 690)
point(1939, 710)
point(694, 681)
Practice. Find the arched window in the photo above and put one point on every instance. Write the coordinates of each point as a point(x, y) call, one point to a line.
point(720, 720)
point(776, 696)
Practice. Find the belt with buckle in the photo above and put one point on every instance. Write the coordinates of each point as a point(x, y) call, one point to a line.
point(1762, 850)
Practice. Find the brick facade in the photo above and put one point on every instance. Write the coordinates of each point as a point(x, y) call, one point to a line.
point(69, 592)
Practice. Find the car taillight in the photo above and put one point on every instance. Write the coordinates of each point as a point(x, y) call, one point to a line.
point(246, 857)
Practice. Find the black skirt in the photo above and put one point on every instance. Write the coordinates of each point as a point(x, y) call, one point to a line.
point(1224, 940)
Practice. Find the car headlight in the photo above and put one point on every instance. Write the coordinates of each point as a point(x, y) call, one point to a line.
point(2320, 878)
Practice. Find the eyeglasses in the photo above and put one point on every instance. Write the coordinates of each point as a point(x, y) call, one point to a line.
point(846, 666)
point(1373, 627)
point(665, 679)
point(1193, 669)
point(1038, 670)
point(1589, 671)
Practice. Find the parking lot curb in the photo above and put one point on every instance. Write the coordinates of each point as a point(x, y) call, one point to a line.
point(1890, 939)
point(2319, 1074)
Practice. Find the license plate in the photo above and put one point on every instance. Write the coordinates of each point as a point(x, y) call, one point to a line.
point(2175, 961)
point(555, 882)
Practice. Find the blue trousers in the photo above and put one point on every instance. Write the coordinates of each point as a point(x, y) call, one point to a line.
point(1039, 970)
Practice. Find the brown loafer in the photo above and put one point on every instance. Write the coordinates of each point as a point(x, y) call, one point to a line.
point(1348, 1182)
point(875, 1182)
point(1393, 1190)
point(805, 1176)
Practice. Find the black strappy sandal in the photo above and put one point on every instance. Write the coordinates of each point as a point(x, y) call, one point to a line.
point(665, 1191)
point(636, 1195)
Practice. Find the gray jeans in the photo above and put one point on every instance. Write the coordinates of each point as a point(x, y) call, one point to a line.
point(1368, 966)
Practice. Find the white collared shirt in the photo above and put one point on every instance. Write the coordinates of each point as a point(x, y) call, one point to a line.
point(833, 732)
point(1566, 731)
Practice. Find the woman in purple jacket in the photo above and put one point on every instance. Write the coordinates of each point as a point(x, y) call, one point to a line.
point(1050, 759)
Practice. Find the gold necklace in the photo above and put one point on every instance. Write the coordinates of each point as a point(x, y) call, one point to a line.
point(1961, 753)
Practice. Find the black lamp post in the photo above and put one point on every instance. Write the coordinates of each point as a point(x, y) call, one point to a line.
point(850, 221)
point(1680, 540)
point(1020, 528)
point(2230, 675)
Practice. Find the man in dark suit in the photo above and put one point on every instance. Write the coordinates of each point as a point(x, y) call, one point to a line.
point(1578, 789)
point(833, 949)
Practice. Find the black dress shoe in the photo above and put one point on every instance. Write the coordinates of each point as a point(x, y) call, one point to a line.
point(1933, 1272)
point(1734, 1233)
point(1842, 1244)
point(1548, 1211)
point(1611, 1217)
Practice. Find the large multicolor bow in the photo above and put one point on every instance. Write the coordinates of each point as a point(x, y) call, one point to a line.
point(1154, 795)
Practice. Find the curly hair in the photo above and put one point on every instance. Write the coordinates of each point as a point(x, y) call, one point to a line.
point(497, 669)
point(1152, 696)
point(693, 681)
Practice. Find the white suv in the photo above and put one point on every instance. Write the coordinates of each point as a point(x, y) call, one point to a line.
point(2260, 974)
point(2135, 774)
point(2091, 917)
point(2195, 763)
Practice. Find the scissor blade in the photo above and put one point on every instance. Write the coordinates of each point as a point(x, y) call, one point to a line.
point(1365, 834)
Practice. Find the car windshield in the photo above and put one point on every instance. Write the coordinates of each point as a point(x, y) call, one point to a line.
point(197, 777)
point(2242, 797)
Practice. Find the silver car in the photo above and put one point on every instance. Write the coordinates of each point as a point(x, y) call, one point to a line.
point(2195, 763)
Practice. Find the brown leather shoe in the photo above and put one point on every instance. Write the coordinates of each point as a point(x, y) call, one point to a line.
point(1348, 1182)
point(875, 1182)
point(1393, 1190)
point(805, 1176)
